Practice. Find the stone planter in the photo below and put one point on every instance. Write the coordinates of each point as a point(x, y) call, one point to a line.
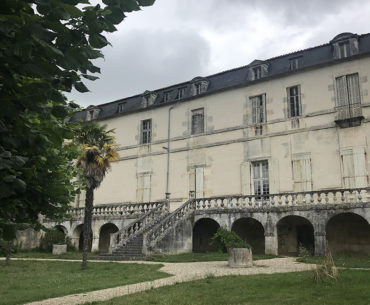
point(59, 249)
point(240, 257)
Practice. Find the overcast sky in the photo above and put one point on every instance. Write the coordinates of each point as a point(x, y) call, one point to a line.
point(176, 40)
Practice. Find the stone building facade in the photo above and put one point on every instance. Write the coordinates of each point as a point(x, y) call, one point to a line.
point(276, 150)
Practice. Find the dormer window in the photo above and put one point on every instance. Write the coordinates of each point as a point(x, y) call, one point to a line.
point(345, 45)
point(199, 85)
point(148, 98)
point(180, 93)
point(166, 96)
point(257, 73)
point(295, 63)
point(121, 107)
point(92, 113)
point(257, 69)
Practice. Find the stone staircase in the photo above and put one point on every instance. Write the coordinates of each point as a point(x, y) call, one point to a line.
point(127, 244)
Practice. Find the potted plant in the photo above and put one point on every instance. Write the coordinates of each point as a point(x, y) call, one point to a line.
point(239, 252)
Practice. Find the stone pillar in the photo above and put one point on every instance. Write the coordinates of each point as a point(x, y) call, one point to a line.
point(271, 237)
point(320, 242)
point(95, 243)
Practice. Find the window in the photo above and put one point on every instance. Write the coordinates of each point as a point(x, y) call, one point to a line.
point(258, 109)
point(180, 93)
point(196, 181)
point(261, 178)
point(166, 96)
point(295, 63)
point(198, 88)
point(354, 168)
point(257, 73)
point(302, 178)
point(294, 101)
point(344, 49)
point(121, 107)
point(146, 131)
point(197, 121)
point(348, 90)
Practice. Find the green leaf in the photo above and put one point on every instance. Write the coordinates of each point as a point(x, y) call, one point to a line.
point(81, 87)
point(98, 41)
point(90, 77)
point(146, 2)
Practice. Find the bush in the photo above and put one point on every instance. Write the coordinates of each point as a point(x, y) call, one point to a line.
point(325, 272)
point(52, 237)
point(228, 239)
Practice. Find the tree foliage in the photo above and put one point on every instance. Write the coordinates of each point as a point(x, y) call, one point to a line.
point(47, 47)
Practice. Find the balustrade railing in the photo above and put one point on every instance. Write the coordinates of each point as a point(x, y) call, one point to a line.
point(168, 222)
point(340, 196)
point(139, 226)
point(119, 210)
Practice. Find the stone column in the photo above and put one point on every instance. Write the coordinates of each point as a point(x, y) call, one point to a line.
point(320, 242)
point(271, 237)
point(95, 243)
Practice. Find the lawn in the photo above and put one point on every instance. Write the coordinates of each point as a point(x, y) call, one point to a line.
point(38, 254)
point(25, 281)
point(199, 257)
point(347, 261)
point(352, 288)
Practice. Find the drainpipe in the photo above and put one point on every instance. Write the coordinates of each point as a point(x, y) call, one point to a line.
point(168, 150)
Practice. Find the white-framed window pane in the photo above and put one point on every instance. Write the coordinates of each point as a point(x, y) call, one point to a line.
point(146, 131)
point(260, 178)
point(294, 101)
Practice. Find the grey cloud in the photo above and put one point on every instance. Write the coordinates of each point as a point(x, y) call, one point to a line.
point(142, 60)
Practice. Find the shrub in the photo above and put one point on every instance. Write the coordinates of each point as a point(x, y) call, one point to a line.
point(52, 237)
point(224, 238)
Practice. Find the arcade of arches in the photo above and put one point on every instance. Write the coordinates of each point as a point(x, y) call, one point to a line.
point(104, 237)
point(345, 233)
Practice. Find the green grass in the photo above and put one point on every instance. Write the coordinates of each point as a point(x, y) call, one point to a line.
point(347, 261)
point(198, 257)
point(25, 281)
point(38, 254)
point(352, 288)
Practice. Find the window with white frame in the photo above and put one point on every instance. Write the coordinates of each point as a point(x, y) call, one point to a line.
point(302, 177)
point(198, 88)
point(261, 178)
point(294, 101)
point(258, 109)
point(166, 96)
point(180, 93)
point(295, 63)
point(344, 49)
point(257, 72)
point(146, 131)
point(197, 121)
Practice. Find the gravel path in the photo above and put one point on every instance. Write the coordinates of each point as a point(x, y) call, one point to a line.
point(182, 272)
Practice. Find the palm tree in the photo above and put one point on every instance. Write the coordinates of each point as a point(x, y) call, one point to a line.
point(99, 150)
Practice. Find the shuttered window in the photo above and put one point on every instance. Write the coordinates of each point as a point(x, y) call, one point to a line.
point(258, 109)
point(294, 101)
point(348, 90)
point(197, 121)
point(143, 188)
point(196, 181)
point(354, 172)
point(302, 178)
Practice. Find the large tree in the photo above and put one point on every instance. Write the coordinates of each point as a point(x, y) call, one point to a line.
point(46, 48)
point(98, 152)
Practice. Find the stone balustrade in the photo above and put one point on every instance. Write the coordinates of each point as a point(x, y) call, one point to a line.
point(340, 196)
point(156, 213)
point(169, 221)
point(118, 210)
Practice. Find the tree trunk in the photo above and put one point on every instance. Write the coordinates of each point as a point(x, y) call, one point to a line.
point(8, 251)
point(89, 203)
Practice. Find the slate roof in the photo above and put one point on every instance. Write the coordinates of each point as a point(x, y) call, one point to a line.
point(234, 78)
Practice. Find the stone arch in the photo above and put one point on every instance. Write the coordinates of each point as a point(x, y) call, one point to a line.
point(61, 228)
point(293, 232)
point(203, 231)
point(348, 233)
point(251, 231)
point(104, 236)
point(77, 239)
